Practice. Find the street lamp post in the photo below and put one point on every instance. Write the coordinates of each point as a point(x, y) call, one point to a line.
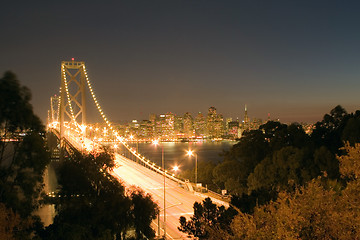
point(191, 153)
point(156, 142)
point(131, 139)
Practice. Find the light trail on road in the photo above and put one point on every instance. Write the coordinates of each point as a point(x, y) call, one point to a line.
point(179, 200)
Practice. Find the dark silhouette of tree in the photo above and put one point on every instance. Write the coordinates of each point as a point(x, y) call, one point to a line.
point(8, 222)
point(207, 216)
point(247, 202)
point(280, 172)
point(313, 211)
point(328, 132)
point(205, 174)
point(23, 156)
point(92, 204)
point(240, 161)
point(143, 212)
point(351, 132)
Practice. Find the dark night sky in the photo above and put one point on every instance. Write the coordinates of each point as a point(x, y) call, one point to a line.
point(293, 59)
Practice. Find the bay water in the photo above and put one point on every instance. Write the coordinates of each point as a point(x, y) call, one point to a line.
point(175, 153)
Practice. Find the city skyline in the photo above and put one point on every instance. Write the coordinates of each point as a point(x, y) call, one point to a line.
point(294, 60)
point(193, 114)
point(172, 127)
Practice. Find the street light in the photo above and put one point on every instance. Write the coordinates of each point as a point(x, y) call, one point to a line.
point(156, 142)
point(130, 144)
point(175, 168)
point(191, 153)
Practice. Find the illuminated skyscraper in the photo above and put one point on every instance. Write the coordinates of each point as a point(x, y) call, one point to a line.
point(168, 128)
point(233, 128)
point(188, 125)
point(215, 124)
point(146, 130)
point(200, 125)
point(152, 119)
point(246, 120)
point(179, 126)
point(210, 122)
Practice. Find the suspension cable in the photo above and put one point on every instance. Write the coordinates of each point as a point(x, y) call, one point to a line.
point(121, 139)
point(68, 97)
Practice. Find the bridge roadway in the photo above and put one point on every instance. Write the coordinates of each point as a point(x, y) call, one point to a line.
point(179, 202)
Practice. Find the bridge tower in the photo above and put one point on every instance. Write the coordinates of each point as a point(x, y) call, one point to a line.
point(54, 108)
point(72, 95)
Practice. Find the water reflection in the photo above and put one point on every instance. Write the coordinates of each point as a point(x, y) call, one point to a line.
point(175, 153)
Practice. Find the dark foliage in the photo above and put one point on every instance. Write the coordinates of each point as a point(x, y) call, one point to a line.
point(92, 204)
point(23, 156)
point(207, 215)
point(247, 202)
point(280, 157)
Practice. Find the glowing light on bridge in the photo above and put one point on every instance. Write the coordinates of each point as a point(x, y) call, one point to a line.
point(77, 132)
point(155, 142)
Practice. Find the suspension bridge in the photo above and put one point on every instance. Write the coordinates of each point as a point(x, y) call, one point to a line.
point(67, 120)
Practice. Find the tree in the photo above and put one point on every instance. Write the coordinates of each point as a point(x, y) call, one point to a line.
point(275, 133)
point(240, 161)
point(16, 114)
point(144, 210)
point(324, 161)
point(228, 175)
point(8, 222)
point(247, 202)
point(92, 204)
point(205, 174)
point(255, 151)
point(351, 132)
point(277, 172)
point(207, 217)
point(317, 210)
point(23, 156)
point(328, 132)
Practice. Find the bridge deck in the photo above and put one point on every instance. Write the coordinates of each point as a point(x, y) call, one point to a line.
point(179, 202)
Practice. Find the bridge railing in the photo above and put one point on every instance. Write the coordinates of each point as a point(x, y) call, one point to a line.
point(217, 198)
point(66, 141)
point(152, 165)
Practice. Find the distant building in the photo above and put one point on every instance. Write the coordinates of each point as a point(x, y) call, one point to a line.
point(163, 125)
point(146, 130)
point(188, 125)
point(200, 125)
point(171, 127)
point(246, 123)
point(233, 129)
point(168, 128)
point(179, 126)
point(152, 119)
point(215, 124)
point(255, 123)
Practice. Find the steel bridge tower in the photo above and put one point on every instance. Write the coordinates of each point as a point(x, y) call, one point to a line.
point(54, 108)
point(72, 96)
